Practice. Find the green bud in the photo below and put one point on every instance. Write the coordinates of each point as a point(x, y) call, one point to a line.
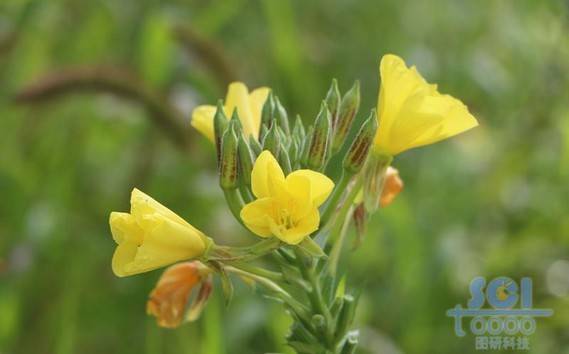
point(245, 160)
point(268, 111)
point(256, 148)
point(284, 161)
point(228, 169)
point(357, 154)
point(298, 132)
point(281, 116)
point(350, 344)
point(235, 123)
point(346, 315)
point(264, 131)
point(285, 139)
point(306, 146)
point(293, 152)
point(320, 142)
point(332, 100)
point(272, 141)
point(318, 322)
point(346, 114)
point(220, 123)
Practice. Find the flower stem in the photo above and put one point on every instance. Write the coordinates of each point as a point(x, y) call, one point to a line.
point(235, 203)
point(332, 204)
point(317, 301)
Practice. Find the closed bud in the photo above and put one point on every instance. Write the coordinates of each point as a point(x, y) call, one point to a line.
point(245, 160)
point(293, 152)
point(346, 315)
point(268, 111)
point(264, 131)
point(228, 169)
point(284, 161)
point(332, 100)
point(320, 142)
point(350, 344)
point(235, 124)
point(306, 146)
point(255, 146)
point(281, 116)
point(346, 114)
point(272, 141)
point(318, 322)
point(220, 123)
point(298, 132)
point(358, 152)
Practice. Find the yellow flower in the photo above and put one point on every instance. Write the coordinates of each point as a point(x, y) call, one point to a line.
point(412, 113)
point(248, 105)
point(152, 236)
point(286, 207)
point(169, 300)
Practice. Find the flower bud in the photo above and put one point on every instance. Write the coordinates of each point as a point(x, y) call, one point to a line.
point(268, 112)
point(332, 100)
point(272, 140)
point(346, 315)
point(320, 142)
point(298, 132)
point(220, 123)
point(245, 160)
point(306, 146)
point(228, 171)
point(346, 114)
point(284, 161)
point(168, 301)
point(255, 146)
point(392, 186)
point(350, 344)
point(281, 116)
point(358, 152)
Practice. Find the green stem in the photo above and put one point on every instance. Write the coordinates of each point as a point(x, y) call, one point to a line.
point(338, 244)
point(235, 203)
point(315, 295)
point(270, 285)
point(337, 193)
point(274, 276)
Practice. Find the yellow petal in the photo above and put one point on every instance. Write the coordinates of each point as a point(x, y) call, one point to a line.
point(202, 120)
point(257, 99)
point(124, 228)
point(256, 216)
point(320, 185)
point(165, 242)
point(412, 113)
point(238, 98)
point(303, 228)
point(265, 175)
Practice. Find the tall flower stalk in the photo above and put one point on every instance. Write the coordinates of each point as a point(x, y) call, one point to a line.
point(278, 185)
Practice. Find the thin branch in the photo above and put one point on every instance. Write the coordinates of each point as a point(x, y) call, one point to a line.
point(209, 53)
point(114, 81)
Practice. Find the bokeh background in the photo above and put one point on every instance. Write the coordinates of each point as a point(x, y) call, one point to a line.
point(95, 98)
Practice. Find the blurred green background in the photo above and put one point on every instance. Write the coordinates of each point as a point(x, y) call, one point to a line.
point(95, 98)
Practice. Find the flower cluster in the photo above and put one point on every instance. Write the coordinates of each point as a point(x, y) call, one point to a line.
point(278, 182)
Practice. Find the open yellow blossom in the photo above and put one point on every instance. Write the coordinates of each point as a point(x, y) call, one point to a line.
point(248, 104)
point(152, 236)
point(286, 207)
point(412, 113)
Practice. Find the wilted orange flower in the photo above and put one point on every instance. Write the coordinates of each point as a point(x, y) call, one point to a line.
point(169, 300)
point(393, 185)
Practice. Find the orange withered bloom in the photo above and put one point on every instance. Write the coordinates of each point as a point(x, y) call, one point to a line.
point(393, 185)
point(169, 301)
